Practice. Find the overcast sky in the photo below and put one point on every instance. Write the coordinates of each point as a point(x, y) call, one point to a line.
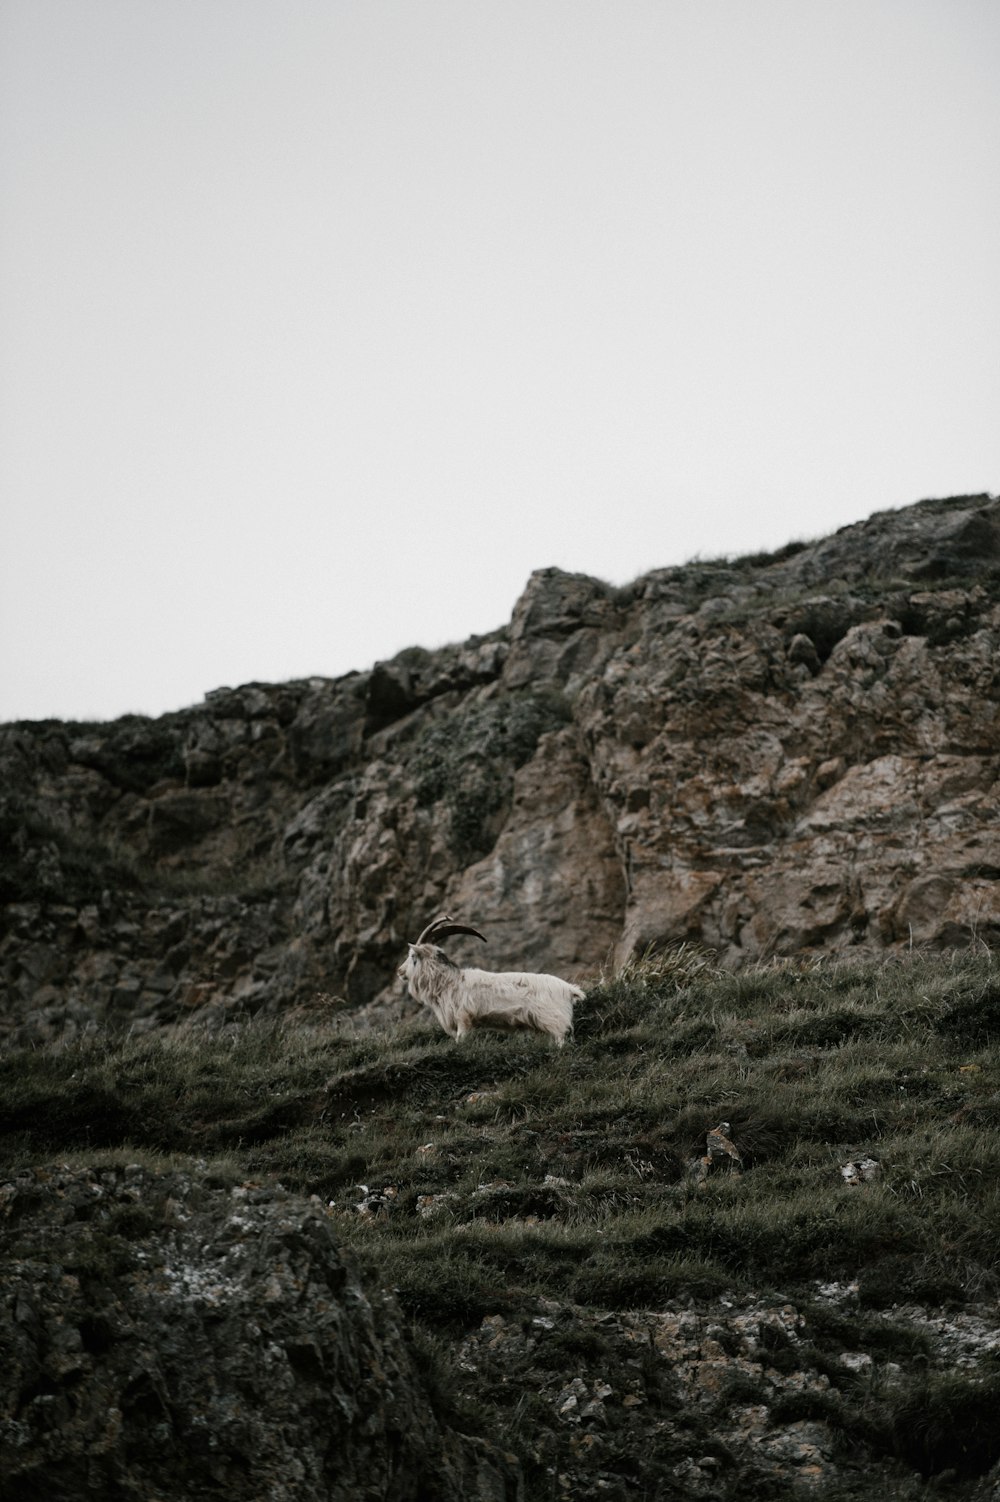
point(324, 322)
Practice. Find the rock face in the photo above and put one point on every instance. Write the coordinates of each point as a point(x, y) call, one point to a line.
point(746, 1365)
point(168, 1337)
point(775, 755)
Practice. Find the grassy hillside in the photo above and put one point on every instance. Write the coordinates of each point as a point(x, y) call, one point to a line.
point(575, 1202)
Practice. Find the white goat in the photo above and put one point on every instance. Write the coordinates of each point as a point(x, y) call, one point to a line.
point(502, 1000)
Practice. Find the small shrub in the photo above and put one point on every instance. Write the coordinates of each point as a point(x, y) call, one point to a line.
point(41, 861)
point(942, 1422)
point(563, 1350)
point(914, 1279)
point(634, 995)
point(611, 1280)
point(446, 1291)
point(828, 1029)
point(973, 1020)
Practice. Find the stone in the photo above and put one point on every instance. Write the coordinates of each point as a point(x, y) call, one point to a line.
point(861, 1171)
point(802, 649)
point(431, 1205)
point(721, 1155)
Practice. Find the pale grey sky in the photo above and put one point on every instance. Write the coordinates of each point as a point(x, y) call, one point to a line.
point(324, 322)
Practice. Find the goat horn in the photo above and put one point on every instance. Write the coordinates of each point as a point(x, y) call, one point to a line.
point(434, 923)
point(444, 928)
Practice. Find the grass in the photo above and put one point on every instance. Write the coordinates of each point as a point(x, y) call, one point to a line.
point(517, 1173)
point(809, 1068)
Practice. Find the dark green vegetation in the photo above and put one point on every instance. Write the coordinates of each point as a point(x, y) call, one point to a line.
point(468, 762)
point(478, 1180)
point(43, 862)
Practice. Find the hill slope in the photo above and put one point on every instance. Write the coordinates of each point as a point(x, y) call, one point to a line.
point(739, 1240)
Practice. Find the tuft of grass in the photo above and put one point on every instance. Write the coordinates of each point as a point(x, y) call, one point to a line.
point(642, 988)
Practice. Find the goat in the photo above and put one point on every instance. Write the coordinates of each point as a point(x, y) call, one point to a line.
point(502, 1000)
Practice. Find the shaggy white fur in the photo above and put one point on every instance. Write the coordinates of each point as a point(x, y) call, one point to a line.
point(502, 1000)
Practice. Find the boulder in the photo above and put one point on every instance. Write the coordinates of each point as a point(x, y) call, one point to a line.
point(169, 1336)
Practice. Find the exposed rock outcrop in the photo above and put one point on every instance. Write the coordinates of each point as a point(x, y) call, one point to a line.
point(775, 755)
point(735, 1385)
point(169, 1336)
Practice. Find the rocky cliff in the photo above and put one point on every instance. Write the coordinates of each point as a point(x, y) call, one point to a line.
point(772, 756)
point(169, 1334)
